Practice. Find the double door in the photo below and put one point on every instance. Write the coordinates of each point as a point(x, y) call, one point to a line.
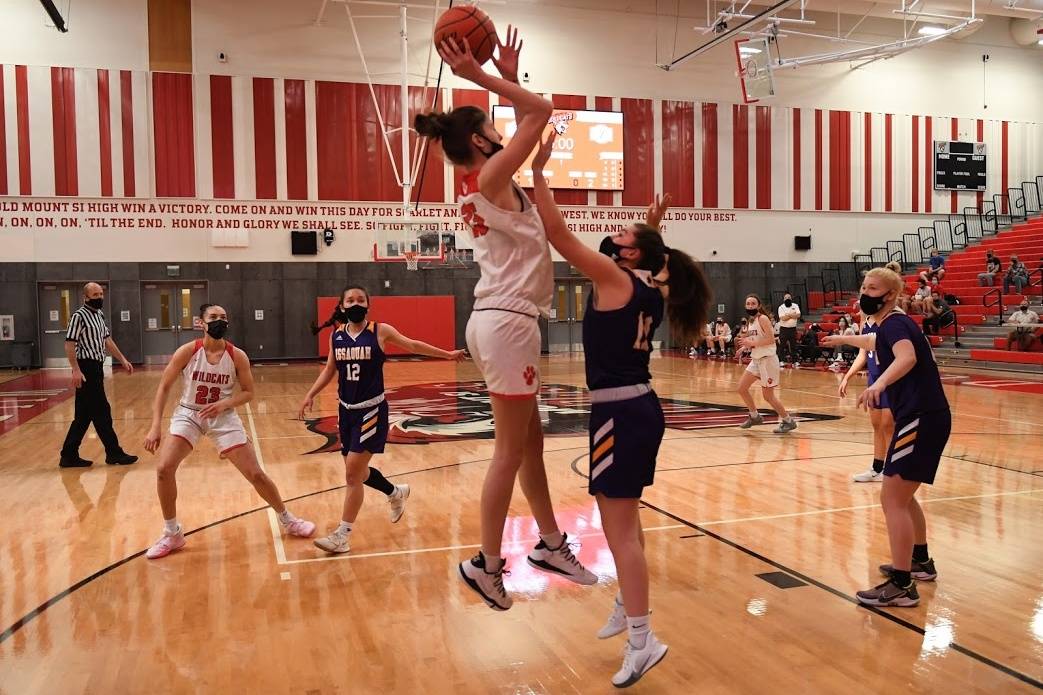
point(169, 312)
point(57, 301)
point(565, 326)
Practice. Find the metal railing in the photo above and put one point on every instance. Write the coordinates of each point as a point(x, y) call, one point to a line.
point(998, 293)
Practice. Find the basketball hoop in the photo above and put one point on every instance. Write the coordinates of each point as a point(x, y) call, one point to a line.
point(412, 260)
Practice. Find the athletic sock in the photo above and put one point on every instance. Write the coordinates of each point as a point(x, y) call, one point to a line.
point(902, 578)
point(637, 630)
point(493, 563)
point(920, 553)
point(619, 598)
point(344, 527)
point(171, 527)
point(554, 540)
point(285, 518)
point(378, 482)
point(878, 465)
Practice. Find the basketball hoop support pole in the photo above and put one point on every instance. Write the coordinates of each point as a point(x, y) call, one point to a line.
point(407, 175)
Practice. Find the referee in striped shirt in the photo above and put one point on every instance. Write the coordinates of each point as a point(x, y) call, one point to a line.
point(85, 345)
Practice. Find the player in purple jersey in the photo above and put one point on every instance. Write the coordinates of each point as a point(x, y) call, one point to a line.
point(635, 279)
point(909, 376)
point(879, 416)
point(357, 360)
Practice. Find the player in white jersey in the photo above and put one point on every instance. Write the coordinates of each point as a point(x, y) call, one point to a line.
point(503, 334)
point(764, 366)
point(210, 369)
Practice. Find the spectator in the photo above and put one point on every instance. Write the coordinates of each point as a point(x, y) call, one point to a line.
point(922, 294)
point(1024, 333)
point(789, 315)
point(738, 336)
point(1017, 275)
point(809, 349)
point(936, 272)
point(937, 314)
point(992, 269)
point(844, 353)
point(719, 337)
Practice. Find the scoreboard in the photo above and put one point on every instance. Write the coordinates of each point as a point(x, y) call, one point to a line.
point(959, 166)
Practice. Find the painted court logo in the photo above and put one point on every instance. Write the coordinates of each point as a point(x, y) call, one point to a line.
point(442, 412)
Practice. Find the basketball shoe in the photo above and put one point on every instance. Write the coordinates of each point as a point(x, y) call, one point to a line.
point(638, 662)
point(397, 502)
point(488, 585)
point(562, 562)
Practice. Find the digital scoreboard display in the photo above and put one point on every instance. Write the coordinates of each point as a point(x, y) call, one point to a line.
point(588, 151)
point(959, 166)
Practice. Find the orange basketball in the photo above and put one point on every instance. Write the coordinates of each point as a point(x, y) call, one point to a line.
point(468, 22)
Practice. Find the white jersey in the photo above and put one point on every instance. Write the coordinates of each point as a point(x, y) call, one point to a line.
point(511, 251)
point(207, 383)
point(754, 331)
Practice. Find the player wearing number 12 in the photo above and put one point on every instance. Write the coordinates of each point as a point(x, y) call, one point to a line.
point(210, 368)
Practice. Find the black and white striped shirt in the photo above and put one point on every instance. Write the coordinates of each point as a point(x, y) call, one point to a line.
point(88, 330)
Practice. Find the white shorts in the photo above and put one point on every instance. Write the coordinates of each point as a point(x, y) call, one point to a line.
point(767, 368)
point(506, 347)
point(226, 430)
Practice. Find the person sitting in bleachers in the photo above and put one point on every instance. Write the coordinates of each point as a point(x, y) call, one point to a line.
point(922, 294)
point(1017, 275)
point(936, 272)
point(1024, 321)
point(808, 347)
point(720, 336)
point(992, 269)
point(937, 314)
point(846, 353)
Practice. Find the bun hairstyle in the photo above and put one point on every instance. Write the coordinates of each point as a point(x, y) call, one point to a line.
point(688, 301)
point(453, 130)
point(894, 267)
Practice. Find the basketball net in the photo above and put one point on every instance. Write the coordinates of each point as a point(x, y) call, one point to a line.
point(412, 260)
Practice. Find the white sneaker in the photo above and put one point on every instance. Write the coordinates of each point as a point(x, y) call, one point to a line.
point(488, 585)
point(869, 476)
point(638, 662)
point(561, 562)
point(617, 622)
point(336, 542)
point(397, 502)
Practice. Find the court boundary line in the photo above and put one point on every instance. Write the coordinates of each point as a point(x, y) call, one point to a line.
point(955, 646)
point(273, 520)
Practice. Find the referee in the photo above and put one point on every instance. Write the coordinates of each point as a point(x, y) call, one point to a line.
point(85, 345)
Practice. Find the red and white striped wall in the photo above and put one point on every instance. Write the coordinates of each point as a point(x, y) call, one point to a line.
point(88, 132)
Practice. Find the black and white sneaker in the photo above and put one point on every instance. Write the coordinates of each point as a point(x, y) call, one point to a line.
point(920, 571)
point(488, 585)
point(561, 562)
point(890, 594)
point(638, 662)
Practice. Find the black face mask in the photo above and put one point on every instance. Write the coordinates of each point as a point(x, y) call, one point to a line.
point(787, 302)
point(217, 328)
point(720, 321)
point(752, 312)
point(95, 303)
point(494, 146)
point(356, 313)
point(610, 248)
point(870, 305)
point(1024, 307)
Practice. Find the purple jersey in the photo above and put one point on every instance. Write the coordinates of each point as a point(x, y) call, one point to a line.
point(920, 390)
point(617, 344)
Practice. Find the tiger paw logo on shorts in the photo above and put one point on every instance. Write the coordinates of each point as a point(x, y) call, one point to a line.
point(529, 374)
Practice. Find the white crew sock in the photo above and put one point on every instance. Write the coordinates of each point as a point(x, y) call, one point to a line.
point(171, 527)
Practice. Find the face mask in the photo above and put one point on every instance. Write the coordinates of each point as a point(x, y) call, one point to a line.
point(788, 302)
point(720, 321)
point(494, 146)
point(95, 303)
point(217, 328)
point(870, 305)
point(752, 312)
point(356, 313)
point(610, 248)
point(1024, 307)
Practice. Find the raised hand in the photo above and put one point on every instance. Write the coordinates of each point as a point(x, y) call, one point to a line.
point(542, 156)
point(656, 210)
point(460, 59)
point(506, 58)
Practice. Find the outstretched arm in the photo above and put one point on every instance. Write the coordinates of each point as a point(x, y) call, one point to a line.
point(389, 334)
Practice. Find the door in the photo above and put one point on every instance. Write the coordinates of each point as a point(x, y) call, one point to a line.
point(168, 313)
point(57, 301)
point(565, 327)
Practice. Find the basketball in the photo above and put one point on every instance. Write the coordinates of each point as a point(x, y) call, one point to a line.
point(472, 24)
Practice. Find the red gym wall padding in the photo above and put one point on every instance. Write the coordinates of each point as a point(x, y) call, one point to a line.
point(638, 152)
point(172, 116)
point(679, 151)
point(430, 319)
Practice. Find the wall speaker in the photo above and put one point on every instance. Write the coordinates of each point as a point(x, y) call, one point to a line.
point(304, 243)
point(802, 243)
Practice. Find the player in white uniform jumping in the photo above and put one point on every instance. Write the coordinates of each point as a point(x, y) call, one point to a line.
point(764, 365)
point(211, 368)
point(503, 333)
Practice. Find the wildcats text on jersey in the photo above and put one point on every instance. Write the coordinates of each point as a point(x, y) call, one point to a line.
point(352, 354)
point(210, 377)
